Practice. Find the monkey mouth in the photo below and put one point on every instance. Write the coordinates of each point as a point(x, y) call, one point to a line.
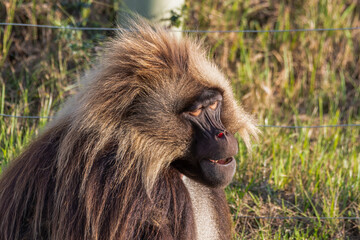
point(223, 161)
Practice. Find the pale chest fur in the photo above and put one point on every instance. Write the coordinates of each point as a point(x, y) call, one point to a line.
point(204, 212)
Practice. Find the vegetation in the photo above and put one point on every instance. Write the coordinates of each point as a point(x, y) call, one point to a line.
point(292, 78)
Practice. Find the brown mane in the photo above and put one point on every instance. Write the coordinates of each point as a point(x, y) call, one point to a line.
point(101, 170)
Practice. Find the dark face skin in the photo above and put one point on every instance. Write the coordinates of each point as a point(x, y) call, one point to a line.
point(211, 158)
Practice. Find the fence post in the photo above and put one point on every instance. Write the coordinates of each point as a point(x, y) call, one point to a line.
point(157, 11)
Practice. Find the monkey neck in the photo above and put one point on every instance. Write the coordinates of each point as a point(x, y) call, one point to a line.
point(210, 211)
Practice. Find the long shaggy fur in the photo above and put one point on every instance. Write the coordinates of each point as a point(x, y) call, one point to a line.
point(101, 169)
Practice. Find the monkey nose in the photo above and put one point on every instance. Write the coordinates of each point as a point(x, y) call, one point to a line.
point(220, 135)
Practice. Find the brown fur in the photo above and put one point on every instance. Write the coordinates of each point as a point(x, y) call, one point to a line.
point(102, 169)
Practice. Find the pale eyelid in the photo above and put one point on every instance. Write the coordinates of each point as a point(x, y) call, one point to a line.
point(214, 105)
point(196, 112)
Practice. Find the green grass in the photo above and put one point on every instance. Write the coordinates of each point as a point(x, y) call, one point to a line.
point(302, 78)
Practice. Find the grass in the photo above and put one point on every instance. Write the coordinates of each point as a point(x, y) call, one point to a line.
point(302, 78)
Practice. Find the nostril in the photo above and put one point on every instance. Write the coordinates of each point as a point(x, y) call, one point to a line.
point(220, 135)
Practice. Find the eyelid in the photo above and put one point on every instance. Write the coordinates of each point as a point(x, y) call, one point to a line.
point(214, 105)
point(196, 112)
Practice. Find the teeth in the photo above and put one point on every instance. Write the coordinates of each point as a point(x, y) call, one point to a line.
point(221, 161)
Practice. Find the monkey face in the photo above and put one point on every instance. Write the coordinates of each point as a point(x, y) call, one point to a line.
point(211, 156)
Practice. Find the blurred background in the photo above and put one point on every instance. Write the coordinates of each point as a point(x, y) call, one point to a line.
point(301, 183)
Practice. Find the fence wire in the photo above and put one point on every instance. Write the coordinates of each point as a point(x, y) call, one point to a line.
point(29, 117)
point(184, 31)
point(298, 218)
point(264, 126)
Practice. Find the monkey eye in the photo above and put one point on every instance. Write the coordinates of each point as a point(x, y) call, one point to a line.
point(196, 112)
point(214, 105)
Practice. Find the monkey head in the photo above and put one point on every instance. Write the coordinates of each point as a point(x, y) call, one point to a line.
point(166, 105)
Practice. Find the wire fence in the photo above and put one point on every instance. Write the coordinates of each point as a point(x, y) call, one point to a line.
point(193, 31)
point(29, 117)
point(184, 31)
point(298, 218)
point(263, 126)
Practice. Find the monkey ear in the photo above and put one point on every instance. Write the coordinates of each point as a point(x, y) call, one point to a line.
point(236, 119)
point(249, 131)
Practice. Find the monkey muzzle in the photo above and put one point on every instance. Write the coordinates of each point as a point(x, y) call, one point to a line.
point(215, 149)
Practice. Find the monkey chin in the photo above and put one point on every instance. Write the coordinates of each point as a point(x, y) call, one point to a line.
point(217, 173)
point(211, 173)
